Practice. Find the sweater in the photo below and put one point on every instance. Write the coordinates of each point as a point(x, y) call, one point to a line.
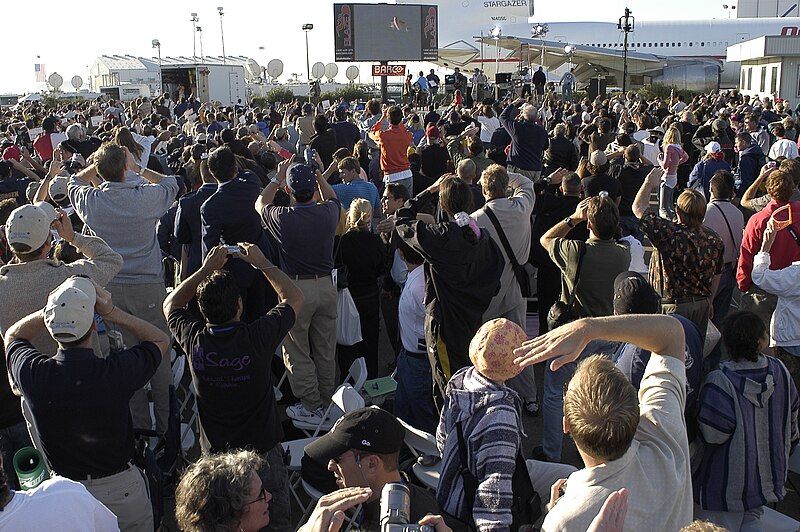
point(528, 140)
point(784, 327)
point(489, 414)
point(125, 216)
point(673, 157)
point(748, 423)
point(24, 287)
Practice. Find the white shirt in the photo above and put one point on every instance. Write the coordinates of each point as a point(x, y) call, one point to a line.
point(655, 469)
point(784, 328)
point(783, 148)
point(637, 255)
point(57, 504)
point(488, 127)
point(411, 312)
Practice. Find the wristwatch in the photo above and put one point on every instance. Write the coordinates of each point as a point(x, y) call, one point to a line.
point(568, 221)
point(274, 180)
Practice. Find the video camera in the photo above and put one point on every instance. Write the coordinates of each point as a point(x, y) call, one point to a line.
point(395, 510)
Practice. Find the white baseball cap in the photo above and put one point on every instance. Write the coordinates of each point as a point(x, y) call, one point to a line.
point(69, 313)
point(29, 226)
point(713, 147)
point(58, 189)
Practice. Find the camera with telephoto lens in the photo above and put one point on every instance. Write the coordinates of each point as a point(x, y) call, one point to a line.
point(395, 510)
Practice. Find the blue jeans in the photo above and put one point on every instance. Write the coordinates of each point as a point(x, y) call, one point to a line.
point(566, 93)
point(413, 400)
point(12, 439)
point(553, 401)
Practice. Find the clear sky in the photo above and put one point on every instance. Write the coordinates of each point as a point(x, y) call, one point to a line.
point(68, 36)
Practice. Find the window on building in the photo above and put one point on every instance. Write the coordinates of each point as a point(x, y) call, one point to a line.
point(744, 77)
point(750, 78)
point(702, 44)
point(690, 43)
point(773, 83)
point(763, 79)
point(679, 45)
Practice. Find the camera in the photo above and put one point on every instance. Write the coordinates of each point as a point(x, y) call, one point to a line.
point(233, 249)
point(308, 155)
point(395, 510)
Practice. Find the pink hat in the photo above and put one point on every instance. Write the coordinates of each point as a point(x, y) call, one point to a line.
point(492, 349)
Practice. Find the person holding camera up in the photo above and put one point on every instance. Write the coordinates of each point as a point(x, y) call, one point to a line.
point(95, 448)
point(230, 363)
point(305, 232)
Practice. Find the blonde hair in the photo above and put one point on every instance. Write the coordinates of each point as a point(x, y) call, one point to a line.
point(411, 150)
point(691, 206)
point(359, 215)
point(703, 526)
point(672, 136)
point(601, 408)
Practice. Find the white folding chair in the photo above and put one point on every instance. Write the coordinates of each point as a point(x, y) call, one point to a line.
point(422, 444)
point(316, 495)
point(356, 376)
point(347, 399)
point(774, 521)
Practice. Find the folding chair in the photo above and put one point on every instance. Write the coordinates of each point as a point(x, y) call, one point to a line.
point(356, 376)
point(422, 444)
point(316, 495)
point(347, 399)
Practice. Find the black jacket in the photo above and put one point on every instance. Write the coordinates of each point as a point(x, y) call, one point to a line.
point(561, 153)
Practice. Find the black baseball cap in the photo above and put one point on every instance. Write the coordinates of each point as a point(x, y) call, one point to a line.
point(634, 295)
point(301, 177)
point(371, 430)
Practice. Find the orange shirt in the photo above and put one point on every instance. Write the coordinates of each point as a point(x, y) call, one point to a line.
point(394, 143)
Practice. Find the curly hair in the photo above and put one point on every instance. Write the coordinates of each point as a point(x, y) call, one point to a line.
point(212, 493)
point(742, 334)
point(359, 215)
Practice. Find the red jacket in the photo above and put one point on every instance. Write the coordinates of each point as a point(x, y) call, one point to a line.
point(784, 251)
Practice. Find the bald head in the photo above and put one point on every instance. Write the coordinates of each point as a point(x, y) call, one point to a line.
point(467, 170)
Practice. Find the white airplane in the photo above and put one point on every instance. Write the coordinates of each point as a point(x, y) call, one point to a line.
point(689, 54)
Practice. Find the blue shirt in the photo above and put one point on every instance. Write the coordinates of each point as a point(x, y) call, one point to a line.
point(358, 188)
point(423, 83)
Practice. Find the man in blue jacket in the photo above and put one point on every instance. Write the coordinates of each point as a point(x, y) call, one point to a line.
point(528, 139)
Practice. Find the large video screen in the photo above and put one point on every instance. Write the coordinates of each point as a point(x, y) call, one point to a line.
point(384, 32)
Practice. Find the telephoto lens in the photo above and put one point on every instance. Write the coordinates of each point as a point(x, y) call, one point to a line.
point(396, 510)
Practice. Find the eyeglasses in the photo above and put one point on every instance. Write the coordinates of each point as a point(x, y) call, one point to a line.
point(339, 459)
point(262, 497)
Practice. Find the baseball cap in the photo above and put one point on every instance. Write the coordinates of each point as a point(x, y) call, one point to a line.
point(586, 117)
point(634, 295)
point(58, 189)
point(713, 147)
point(48, 209)
point(340, 112)
point(492, 349)
point(12, 152)
point(433, 132)
point(719, 125)
point(598, 158)
point(370, 429)
point(301, 177)
point(69, 312)
point(29, 226)
point(656, 130)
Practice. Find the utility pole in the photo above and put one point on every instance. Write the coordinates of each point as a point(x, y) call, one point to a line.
point(222, 34)
point(194, 20)
point(625, 24)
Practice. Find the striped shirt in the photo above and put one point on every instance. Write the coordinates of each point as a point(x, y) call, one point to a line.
point(358, 188)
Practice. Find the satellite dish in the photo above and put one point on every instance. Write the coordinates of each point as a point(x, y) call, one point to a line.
point(351, 72)
point(275, 68)
point(77, 82)
point(331, 70)
point(318, 70)
point(253, 69)
point(55, 80)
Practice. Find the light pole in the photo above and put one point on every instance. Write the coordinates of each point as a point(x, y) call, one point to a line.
point(200, 31)
point(569, 50)
point(540, 30)
point(157, 44)
point(496, 33)
point(626, 24)
point(222, 34)
point(194, 20)
point(307, 28)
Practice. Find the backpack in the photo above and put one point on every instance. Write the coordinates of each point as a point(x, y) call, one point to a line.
point(526, 505)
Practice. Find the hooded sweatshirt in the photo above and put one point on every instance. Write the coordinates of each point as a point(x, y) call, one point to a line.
point(748, 423)
point(490, 419)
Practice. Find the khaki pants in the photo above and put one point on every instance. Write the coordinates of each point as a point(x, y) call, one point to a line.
point(533, 175)
point(309, 350)
point(144, 301)
point(126, 495)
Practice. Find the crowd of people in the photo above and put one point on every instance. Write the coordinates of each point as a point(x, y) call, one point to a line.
point(138, 232)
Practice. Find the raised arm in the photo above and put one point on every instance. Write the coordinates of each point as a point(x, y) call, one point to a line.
point(660, 334)
point(752, 190)
point(642, 201)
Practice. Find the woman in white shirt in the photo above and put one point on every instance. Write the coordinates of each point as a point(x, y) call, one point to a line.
point(489, 123)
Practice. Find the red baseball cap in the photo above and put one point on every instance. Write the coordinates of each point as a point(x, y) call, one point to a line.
point(12, 152)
